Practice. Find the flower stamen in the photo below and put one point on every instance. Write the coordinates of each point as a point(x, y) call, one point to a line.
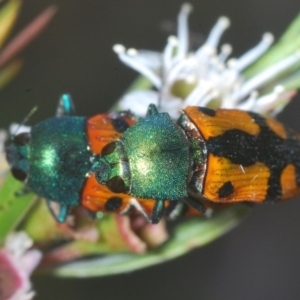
point(183, 32)
point(267, 75)
point(253, 54)
point(135, 64)
point(208, 76)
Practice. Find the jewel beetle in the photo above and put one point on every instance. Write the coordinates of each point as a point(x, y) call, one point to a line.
point(50, 177)
point(115, 161)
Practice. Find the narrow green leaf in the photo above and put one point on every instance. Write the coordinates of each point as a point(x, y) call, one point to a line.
point(291, 82)
point(9, 72)
point(12, 208)
point(293, 31)
point(190, 234)
point(8, 16)
point(288, 44)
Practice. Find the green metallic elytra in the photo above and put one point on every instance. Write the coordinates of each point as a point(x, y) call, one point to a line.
point(59, 159)
point(151, 160)
point(53, 158)
point(158, 156)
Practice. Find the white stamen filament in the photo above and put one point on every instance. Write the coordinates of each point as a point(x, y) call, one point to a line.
point(216, 33)
point(134, 64)
point(226, 50)
point(250, 102)
point(211, 96)
point(168, 53)
point(269, 99)
point(178, 67)
point(132, 52)
point(267, 75)
point(183, 31)
point(253, 54)
point(197, 94)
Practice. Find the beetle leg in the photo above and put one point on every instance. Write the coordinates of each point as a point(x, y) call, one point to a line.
point(152, 110)
point(137, 205)
point(59, 213)
point(65, 106)
point(176, 209)
point(196, 204)
point(158, 211)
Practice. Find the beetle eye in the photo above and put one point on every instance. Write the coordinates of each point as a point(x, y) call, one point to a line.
point(116, 185)
point(108, 149)
point(22, 139)
point(19, 174)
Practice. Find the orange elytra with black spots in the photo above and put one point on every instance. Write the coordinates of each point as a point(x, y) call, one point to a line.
point(155, 166)
point(250, 158)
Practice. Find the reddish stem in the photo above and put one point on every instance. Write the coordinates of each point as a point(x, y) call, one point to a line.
point(27, 35)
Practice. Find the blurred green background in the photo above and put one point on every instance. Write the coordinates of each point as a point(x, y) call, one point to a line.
point(257, 260)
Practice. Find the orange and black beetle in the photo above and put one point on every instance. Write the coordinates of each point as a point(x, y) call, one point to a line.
point(113, 162)
point(249, 158)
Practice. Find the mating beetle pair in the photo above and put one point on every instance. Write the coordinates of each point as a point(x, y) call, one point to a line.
point(112, 162)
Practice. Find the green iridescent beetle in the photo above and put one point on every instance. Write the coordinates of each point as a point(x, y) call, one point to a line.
point(151, 159)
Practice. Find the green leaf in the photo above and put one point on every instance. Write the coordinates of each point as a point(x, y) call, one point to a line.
point(288, 44)
point(12, 207)
point(292, 81)
point(8, 16)
point(190, 234)
point(141, 83)
point(9, 72)
point(40, 224)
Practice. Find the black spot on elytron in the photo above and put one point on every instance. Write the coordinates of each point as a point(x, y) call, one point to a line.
point(108, 149)
point(113, 203)
point(116, 184)
point(120, 125)
point(226, 189)
point(266, 147)
point(208, 111)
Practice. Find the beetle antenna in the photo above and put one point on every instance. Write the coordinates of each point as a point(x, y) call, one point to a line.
point(25, 120)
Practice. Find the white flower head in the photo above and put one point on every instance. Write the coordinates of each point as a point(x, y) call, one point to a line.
point(206, 76)
point(16, 264)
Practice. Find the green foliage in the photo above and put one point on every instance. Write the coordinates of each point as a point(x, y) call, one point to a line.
point(13, 208)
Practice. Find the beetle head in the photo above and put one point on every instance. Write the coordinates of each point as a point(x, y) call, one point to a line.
point(17, 154)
